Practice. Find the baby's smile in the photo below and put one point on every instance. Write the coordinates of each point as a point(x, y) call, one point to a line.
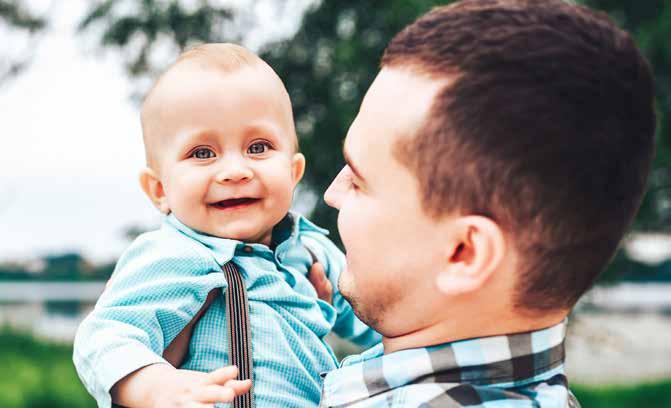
point(235, 203)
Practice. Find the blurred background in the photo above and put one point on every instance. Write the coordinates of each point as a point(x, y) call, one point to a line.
point(71, 77)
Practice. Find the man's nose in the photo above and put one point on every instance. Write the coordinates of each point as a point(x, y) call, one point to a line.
point(333, 193)
point(234, 171)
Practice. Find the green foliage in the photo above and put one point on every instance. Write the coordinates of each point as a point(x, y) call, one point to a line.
point(644, 395)
point(148, 21)
point(15, 16)
point(38, 374)
point(12, 13)
point(64, 267)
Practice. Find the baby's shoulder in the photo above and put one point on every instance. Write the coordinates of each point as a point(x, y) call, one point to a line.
point(167, 252)
point(316, 239)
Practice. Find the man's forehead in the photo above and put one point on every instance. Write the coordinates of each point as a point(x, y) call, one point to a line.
point(395, 106)
point(398, 101)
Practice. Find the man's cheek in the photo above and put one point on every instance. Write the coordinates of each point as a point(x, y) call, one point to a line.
point(344, 225)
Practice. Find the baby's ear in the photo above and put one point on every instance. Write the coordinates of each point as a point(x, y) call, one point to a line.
point(297, 167)
point(153, 188)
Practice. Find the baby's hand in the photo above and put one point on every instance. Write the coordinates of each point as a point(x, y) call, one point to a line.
point(318, 279)
point(161, 385)
point(194, 389)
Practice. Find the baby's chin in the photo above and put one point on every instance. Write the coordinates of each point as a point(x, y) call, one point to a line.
point(251, 227)
point(259, 235)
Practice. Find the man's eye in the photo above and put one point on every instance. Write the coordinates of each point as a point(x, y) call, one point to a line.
point(258, 148)
point(203, 153)
point(349, 179)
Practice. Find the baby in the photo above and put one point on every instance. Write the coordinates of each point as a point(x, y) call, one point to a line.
point(222, 164)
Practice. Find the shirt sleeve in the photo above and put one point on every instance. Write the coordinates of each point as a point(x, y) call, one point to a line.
point(347, 325)
point(157, 287)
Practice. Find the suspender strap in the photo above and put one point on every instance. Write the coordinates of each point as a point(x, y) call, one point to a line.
point(239, 333)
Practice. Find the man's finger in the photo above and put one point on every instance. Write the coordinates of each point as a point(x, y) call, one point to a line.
point(322, 285)
point(221, 375)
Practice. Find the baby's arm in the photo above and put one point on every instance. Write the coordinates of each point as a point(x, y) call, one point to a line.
point(162, 385)
point(157, 287)
point(347, 325)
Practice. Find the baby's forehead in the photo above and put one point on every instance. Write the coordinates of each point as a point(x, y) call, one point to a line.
point(189, 77)
point(188, 82)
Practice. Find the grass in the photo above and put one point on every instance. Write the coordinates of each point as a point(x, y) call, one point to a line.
point(39, 374)
point(656, 394)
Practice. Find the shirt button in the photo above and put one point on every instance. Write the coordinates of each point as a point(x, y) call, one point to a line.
point(248, 249)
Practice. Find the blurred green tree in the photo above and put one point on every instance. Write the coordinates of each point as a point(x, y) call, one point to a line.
point(17, 20)
point(146, 27)
point(330, 62)
point(64, 266)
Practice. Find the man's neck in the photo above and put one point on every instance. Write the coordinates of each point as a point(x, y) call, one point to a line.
point(450, 330)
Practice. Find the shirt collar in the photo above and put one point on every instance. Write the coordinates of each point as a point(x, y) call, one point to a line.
point(507, 360)
point(289, 228)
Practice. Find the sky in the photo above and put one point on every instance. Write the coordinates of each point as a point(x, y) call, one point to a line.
point(70, 141)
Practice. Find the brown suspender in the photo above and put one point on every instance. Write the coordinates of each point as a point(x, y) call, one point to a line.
point(239, 333)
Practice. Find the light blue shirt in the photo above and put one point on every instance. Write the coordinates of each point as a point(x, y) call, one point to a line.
point(161, 282)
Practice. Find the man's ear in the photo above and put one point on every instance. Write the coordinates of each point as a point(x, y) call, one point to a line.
point(153, 188)
point(297, 167)
point(475, 253)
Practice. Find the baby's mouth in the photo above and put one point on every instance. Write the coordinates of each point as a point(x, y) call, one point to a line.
point(234, 203)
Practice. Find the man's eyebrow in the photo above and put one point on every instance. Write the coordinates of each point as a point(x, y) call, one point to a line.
point(348, 161)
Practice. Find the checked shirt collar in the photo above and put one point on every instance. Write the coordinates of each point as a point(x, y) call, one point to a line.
point(499, 361)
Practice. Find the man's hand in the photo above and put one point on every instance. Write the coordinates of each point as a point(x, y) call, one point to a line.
point(318, 279)
point(161, 385)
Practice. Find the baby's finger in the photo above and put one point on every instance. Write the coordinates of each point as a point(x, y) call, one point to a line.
point(221, 375)
point(239, 387)
point(322, 285)
point(199, 405)
point(211, 394)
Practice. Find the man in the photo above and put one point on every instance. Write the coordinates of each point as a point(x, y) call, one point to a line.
point(495, 164)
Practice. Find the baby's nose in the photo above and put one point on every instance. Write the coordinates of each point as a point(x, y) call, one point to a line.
point(234, 173)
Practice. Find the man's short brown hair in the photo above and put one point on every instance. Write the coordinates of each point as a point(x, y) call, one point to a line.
point(548, 129)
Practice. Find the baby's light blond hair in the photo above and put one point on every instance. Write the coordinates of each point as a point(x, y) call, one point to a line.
point(224, 58)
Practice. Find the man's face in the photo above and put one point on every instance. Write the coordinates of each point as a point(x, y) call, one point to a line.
point(225, 151)
point(393, 247)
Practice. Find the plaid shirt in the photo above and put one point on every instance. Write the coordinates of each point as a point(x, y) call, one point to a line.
point(520, 370)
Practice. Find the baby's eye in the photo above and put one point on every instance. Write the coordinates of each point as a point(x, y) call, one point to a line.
point(203, 153)
point(258, 148)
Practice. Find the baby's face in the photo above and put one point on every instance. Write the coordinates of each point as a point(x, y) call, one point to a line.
point(224, 150)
